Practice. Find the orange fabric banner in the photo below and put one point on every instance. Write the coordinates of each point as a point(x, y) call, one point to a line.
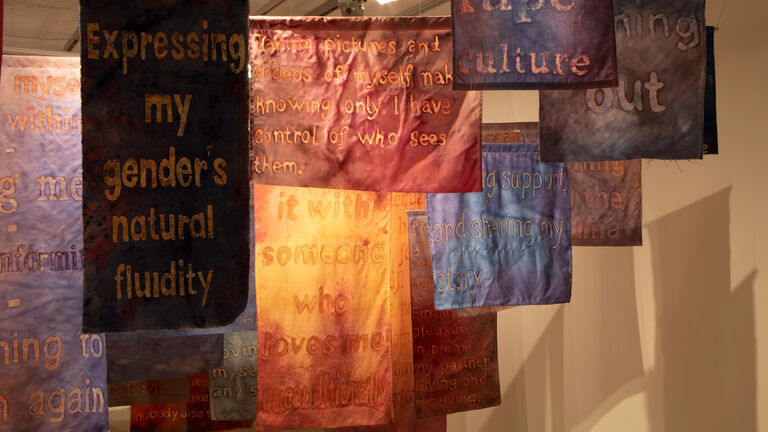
point(322, 293)
point(402, 328)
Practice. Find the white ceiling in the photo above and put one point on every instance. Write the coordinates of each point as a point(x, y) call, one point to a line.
point(49, 26)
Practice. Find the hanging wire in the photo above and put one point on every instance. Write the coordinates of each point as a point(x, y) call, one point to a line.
point(720, 17)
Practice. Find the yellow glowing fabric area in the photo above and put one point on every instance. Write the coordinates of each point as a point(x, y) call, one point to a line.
point(322, 292)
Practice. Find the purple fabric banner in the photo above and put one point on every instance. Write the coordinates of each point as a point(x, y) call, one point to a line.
point(52, 377)
point(533, 44)
point(508, 245)
point(657, 110)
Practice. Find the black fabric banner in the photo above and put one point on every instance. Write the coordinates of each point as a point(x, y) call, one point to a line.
point(165, 144)
point(139, 356)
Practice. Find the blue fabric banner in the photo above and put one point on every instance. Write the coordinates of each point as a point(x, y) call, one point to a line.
point(533, 44)
point(508, 245)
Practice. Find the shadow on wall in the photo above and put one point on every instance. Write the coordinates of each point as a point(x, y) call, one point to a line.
point(588, 352)
point(589, 358)
point(704, 377)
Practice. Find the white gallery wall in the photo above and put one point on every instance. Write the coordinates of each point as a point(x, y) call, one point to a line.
point(671, 336)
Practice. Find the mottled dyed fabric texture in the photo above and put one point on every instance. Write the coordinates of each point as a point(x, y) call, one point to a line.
point(424, 424)
point(141, 356)
point(232, 387)
point(455, 357)
point(508, 245)
point(512, 133)
point(191, 415)
point(533, 45)
point(51, 375)
point(657, 110)
point(606, 196)
point(166, 176)
point(606, 203)
point(361, 103)
point(402, 329)
point(322, 292)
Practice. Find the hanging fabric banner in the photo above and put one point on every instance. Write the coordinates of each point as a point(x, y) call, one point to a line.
point(507, 45)
point(332, 99)
point(173, 353)
point(52, 376)
point(606, 197)
point(141, 356)
point(322, 293)
point(165, 134)
point(425, 424)
point(192, 415)
point(1, 35)
point(656, 112)
point(400, 309)
point(606, 203)
point(149, 392)
point(511, 133)
point(455, 357)
point(710, 97)
point(402, 330)
point(508, 245)
point(232, 387)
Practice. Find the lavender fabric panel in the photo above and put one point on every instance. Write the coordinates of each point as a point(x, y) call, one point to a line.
point(52, 377)
point(508, 245)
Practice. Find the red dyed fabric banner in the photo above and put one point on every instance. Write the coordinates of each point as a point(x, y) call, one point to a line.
point(193, 415)
point(361, 103)
point(402, 329)
point(455, 357)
